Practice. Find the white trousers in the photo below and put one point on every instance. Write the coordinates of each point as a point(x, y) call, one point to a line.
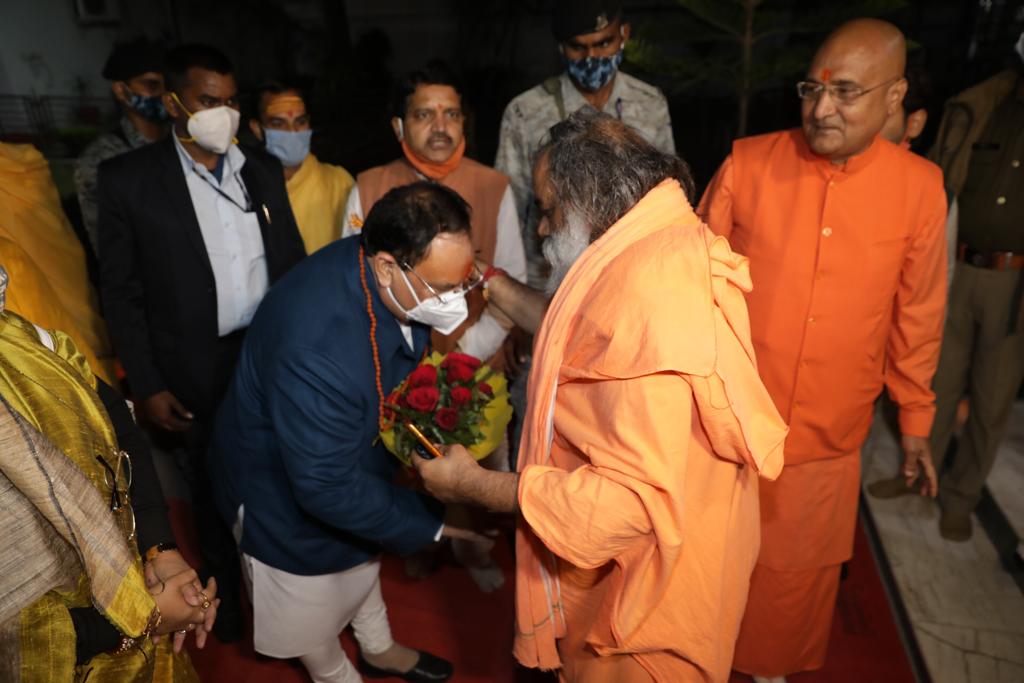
point(302, 616)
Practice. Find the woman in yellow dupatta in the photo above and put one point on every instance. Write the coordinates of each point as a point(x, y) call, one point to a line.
point(61, 546)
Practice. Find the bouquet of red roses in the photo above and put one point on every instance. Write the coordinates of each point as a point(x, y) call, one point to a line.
point(452, 399)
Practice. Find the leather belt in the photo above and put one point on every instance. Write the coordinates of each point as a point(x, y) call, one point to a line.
point(993, 260)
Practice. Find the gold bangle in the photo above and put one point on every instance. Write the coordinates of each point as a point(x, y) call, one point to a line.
point(128, 642)
point(155, 620)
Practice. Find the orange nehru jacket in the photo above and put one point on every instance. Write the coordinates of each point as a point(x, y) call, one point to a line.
point(482, 188)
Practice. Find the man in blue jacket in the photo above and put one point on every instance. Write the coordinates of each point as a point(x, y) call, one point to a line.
point(295, 458)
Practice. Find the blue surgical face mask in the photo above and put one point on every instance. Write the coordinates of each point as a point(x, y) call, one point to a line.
point(291, 147)
point(150, 108)
point(593, 73)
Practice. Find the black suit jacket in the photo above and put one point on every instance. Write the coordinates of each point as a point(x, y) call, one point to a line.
point(156, 283)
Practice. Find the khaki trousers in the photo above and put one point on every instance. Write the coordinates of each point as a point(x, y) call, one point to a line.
point(982, 359)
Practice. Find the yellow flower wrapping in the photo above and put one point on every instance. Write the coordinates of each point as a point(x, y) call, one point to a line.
point(494, 421)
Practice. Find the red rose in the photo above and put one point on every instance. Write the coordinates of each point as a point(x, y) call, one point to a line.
point(447, 418)
point(457, 372)
point(485, 389)
point(423, 399)
point(461, 396)
point(423, 376)
point(451, 359)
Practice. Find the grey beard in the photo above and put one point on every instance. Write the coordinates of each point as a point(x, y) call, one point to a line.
point(562, 248)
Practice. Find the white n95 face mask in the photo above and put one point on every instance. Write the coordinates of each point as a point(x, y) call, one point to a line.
point(443, 316)
point(214, 129)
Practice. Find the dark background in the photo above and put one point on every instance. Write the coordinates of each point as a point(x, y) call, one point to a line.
point(348, 54)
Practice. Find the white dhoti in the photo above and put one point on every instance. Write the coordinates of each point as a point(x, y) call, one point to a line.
point(302, 616)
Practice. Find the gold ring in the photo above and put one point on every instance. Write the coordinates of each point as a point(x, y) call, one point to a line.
point(191, 627)
point(206, 605)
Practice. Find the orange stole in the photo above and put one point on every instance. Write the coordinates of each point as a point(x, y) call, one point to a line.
point(646, 429)
point(481, 186)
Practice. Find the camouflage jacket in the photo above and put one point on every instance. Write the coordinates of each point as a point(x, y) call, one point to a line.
point(124, 139)
point(526, 122)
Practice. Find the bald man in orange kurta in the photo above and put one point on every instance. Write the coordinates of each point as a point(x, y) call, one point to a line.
point(845, 235)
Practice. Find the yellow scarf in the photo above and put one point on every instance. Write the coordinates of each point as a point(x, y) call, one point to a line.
point(55, 426)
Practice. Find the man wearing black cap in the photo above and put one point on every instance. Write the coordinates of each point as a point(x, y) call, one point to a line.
point(134, 71)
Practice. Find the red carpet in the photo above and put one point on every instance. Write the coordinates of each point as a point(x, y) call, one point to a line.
point(448, 616)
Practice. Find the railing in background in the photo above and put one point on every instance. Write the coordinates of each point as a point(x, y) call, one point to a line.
point(61, 124)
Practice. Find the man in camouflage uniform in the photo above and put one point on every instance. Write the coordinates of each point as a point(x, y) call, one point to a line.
point(591, 35)
point(137, 83)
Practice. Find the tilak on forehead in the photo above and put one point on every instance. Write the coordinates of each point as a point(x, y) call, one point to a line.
point(825, 75)
point(286, 104)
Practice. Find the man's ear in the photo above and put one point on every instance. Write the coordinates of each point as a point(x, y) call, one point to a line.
point(398, 126)
point(916, 121)
point(120, 91)
point(897, 91)
point(171, 105)
point(383, 265)
point(256, 129)
point(624, 30)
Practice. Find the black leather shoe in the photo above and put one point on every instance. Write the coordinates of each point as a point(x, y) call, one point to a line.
point(428, 669)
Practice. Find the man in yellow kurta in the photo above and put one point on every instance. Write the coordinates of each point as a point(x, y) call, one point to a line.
point(44, 256)
point(317, 191)
point(845, 233)
point(646, 430)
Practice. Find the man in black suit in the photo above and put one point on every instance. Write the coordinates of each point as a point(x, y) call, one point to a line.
point(193, 231)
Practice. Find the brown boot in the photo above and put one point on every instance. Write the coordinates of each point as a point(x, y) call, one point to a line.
point(890, 488)
point(955, 526)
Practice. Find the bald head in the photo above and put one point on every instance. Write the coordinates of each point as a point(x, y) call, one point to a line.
point(862, 63)
point(878, 43)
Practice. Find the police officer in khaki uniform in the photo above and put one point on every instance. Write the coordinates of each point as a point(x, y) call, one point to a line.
point(980, 147)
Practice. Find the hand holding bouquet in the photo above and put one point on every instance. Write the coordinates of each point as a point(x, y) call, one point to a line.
point(452, 399)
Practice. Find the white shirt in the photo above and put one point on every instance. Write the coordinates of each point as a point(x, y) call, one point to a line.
point(484, 338)
point(232, 237)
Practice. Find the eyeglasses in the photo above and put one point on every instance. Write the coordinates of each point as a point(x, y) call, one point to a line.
point(474, 280)
point(844, 93)
point(119, 480)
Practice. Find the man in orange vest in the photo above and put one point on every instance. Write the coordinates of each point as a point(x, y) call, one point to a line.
point(845, 232)
point(428, 122)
